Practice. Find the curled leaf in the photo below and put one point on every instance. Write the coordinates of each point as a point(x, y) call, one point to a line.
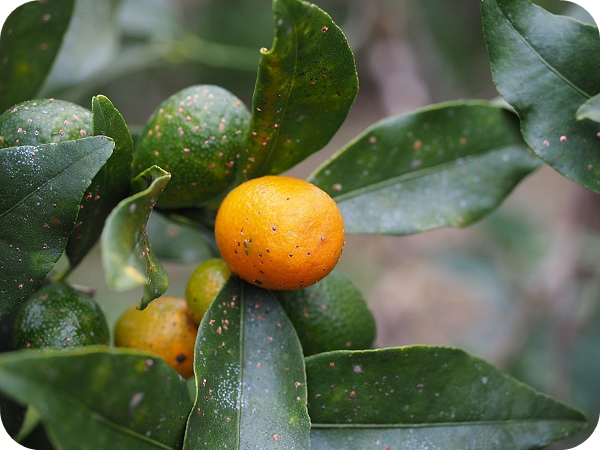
point(127, 257)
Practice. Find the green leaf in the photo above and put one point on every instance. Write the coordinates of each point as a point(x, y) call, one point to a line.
point(42, 187)
point(305, 87)
point(98, 397)
point(445, 165)
point(176, 242)
point(249, 372)
point(109, 186)
point(404, 397)
point(30, 40)
point(590, 109)
point(127, 258)
point(546, 67)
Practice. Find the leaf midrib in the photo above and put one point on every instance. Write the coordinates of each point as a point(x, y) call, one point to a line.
point(540, 57)
point(421, 173)
point(91, 415)
point(276, 135)
point(486, 423)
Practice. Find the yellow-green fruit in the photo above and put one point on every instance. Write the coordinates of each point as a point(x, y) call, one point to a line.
point(163, 328)
point(330, 315)
point(60, 316)
point(197, 135)
point(44, 121)
point(204, 284)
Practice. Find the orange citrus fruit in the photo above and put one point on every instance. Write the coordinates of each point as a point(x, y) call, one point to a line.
point(279, 232)
point(164, 328)
point(204, 284)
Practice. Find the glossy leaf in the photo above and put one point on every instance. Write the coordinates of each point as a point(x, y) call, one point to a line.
point(42, 187)
point(249, 371)
point(177, 242)
point(109, 186)
point(403, 397)
point(305, 87)
point(29, 43)
point(127, 258)
point(445, 165)
point(546, 67)
point(99, 397)
point(590, 109)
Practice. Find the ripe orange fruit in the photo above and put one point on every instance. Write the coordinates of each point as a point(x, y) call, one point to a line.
point(204, 284)
point(164, 328)
point(279, 232)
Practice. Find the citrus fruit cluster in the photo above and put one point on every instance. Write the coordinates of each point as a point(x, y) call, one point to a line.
point(168, 326)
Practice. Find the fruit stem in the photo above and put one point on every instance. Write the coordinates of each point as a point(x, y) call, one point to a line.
point(62, 276)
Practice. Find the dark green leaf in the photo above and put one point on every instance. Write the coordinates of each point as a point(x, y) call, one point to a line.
point(30, 40)
point(445, 165)
point(305, 87)
point(99, 397)
point(590, 109)
point(42, 187)
point(109, 186)
point(176, 242)
point(546, 67)
point(403, 397)
point(249, 375)
point(127, 258)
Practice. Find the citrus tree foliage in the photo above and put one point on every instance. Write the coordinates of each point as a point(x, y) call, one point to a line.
point(446, 165)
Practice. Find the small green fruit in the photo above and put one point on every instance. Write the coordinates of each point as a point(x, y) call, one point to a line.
point(44, 121)
point(196, 135)
point(204, 284)
point(59, 316)
point(330, 315)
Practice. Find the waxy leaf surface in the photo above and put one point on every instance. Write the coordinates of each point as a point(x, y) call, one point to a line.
point(305, 86)
point(446, 165)
point(249, 371)
point(109, 186)
point(127, 257)
point(98, 397)
point(404, 397)
point(546, 67)
point(42, 187)
point(31, 38)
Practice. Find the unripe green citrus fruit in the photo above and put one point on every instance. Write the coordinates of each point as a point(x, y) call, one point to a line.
point(196, 135)
point(204, 284)
point(330, 315)
point(60, 316)
point(44, 121)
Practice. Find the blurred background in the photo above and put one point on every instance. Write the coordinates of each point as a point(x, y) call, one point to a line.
point(521, 288)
